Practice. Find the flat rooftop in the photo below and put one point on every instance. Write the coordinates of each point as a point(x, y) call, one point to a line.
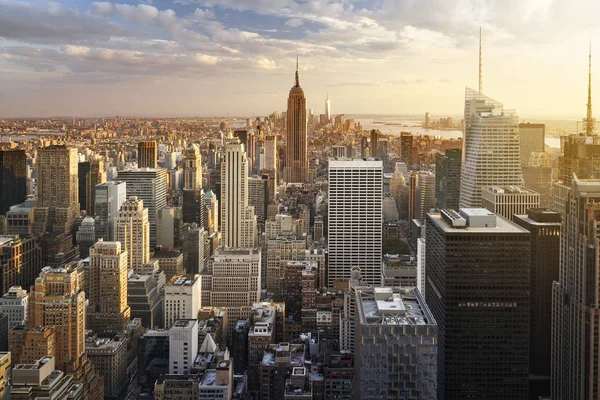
point(392, 306)
point(355, 162)
point(502, 226)
point(509, 190)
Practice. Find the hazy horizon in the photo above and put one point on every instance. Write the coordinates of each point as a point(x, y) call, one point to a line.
point(187, 58)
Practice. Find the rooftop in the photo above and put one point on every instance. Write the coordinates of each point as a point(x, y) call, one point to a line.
point(502, 225)
point(509, 190)
point(392, 306)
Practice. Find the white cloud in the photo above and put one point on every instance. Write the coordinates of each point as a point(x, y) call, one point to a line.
point(206, 59)
point(294, 22)
point(265, 63)
point(77, 50)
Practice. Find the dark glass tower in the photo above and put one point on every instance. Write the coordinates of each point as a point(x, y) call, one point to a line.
point(447, 179)
point(13, 179)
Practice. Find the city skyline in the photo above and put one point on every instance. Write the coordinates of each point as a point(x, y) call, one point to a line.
point(193, 58)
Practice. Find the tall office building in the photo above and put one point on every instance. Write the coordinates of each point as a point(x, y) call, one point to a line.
point(271, 152)
point(424, 195)
point(406, 148)
point(396, 345)
point(193, 195)
point(13, 179)
point(147, 154)
point(328, 108)
point(447, 179)
point(373, 144)
point(258, 196)
point(238, 222)
point(532, 138)
point(96, 176)
point(575, 337)
point(149, 185)
point(544, 226)
point(107, 312)
point(355, 219)
point(491, 149)
point(477, 284)
point(20, 261)
point(132, 230)
point(83, 171)
point(296, 157)
point(57, 204)
point(182, 298)
point(109, 198)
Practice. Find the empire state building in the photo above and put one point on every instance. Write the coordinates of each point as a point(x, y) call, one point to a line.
point(296, 160)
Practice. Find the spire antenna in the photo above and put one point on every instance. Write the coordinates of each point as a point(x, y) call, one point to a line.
point(297, 74)
point(589, 122)
point(480, 64)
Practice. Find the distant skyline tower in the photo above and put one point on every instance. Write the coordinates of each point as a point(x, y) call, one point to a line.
point(491, 148)
point(328, 108)
point(132, 230)
point(57, 203)
point(238, 221)
point(13, 178)
point(296, 157)
point(355, 215)
point(147, 154)
point(193, 195)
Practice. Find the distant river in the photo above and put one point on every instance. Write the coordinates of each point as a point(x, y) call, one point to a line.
point(17, 138)
point(393, 126)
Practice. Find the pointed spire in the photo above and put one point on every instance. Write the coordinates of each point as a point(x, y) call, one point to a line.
point(589, 121)
point(297, 75)
point(480, 65)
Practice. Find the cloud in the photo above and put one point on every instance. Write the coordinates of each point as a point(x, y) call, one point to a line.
point(294, 22)
point(206, 59)
point(362, 83)
point(204, 14)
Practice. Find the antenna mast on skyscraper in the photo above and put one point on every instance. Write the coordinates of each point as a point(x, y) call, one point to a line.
point(480, 67)
point(590, 122)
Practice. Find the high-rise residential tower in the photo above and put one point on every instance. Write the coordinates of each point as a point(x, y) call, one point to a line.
point(132, 230)
point(491, 149)
point(355, 219)
point(238, 222)
point(57, 203)
point(107, 312)
point(149, 185)
point(477, 287)
point(13, 179)
point(296, 157)
point(147, 154)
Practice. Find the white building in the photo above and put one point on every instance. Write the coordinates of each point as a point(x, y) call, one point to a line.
point(14, 304)
point(109, 197)
point(183, 345)
point(355, 219)
point(238, 222)
point(425, 194)
point(132, 229)
point(182, 299)
point(491, 148)
point(509, 200)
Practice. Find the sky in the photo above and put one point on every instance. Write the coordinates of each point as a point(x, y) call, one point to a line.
point(237, 57)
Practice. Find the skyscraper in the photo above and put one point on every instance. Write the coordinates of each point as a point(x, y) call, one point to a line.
point(374, 145)
point(193, 195)
point(57, 203)
point(531, 139)
point(491, 148)
point(544, 226)
point(109, 196)
point(406, 148)
point(424, 195)
point(477, 285)
point(13, 179)
point(150, 186)
point(575, 338)
point(108, 311)
point(238, 222)
point(96, 176)
point(147, 154)
point(271, 152)
point(355, 219)
point(328, 108)
point(132, 230)
point(296, 159)
point(447, 179)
